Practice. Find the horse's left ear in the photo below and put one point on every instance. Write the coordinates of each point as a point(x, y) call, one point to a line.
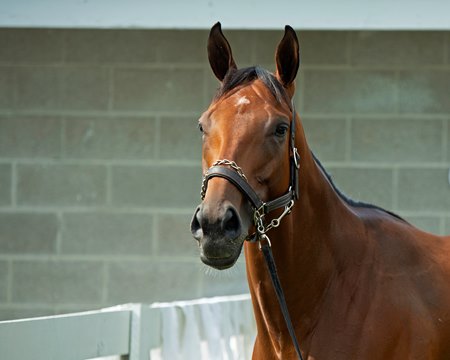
point(287, 57)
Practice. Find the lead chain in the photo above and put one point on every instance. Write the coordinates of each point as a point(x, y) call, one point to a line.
point(258, 218)
point(233, 165)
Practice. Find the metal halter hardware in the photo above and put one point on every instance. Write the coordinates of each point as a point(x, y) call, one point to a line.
point(262, 229)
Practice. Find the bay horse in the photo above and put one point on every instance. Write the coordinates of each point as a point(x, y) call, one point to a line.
point(360, 282)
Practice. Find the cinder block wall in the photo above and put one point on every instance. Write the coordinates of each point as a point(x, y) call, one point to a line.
point(99, 151)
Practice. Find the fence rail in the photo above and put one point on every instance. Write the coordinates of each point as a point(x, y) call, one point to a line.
point(131, 330)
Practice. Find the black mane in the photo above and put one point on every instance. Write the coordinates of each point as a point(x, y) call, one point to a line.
point(348, 200)
point(239, 77)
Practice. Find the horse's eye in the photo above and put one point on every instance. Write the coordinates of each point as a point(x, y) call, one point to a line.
point(281, 130)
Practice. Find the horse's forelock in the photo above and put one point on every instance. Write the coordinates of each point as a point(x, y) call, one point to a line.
point(238, 77)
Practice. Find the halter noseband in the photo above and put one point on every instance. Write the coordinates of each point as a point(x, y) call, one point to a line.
point(234, 174)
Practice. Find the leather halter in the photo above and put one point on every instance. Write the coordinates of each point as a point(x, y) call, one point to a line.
point(235, 175)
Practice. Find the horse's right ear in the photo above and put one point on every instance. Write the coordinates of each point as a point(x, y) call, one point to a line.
point(219, 52)
point(288, 58)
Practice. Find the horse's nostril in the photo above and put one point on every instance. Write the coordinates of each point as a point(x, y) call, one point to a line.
point(222, 223)
point(231, 224)
point(196, 228)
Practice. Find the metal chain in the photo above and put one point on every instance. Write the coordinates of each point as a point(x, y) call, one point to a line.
point(226, 162)
point(258, 218)
point(233, 165)
point(203, 189)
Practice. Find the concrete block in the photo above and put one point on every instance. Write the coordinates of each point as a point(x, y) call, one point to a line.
point(182, 46)
point(158, 89)
point(326, 137)
point(244, 45)
point(73, 308)
point(212, 85)
point(180, 139)
point(149, 282)
point(424, 91)
point(365, 184)
point(424, 189)
point(54, 281)
point(111, 46)
point(427, 223)
point(85, 88)
point(345, 91)
point(107, 234)
point(174, 236)
point(39, 87)
point(30, 136)
point(63, 185)
point(396, 140)
point(31, 45)
point(447, 124)
point(109, 138)
point(15, 313)
point(323, 47)
point(400, 48)
point(156, 186)
point(265, 44)
point(6, 84)
point(300, 93)
point(447, 46)
point(68, 88)
point(5, 184)
point(3, 281)
point(28, 233)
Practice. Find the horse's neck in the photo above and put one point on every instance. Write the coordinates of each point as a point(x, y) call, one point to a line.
point(305, 252)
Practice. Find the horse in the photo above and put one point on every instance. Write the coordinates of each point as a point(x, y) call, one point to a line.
point(360, 282)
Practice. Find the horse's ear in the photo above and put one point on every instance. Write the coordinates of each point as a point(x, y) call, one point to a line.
point(219, 52)
point(287, 57)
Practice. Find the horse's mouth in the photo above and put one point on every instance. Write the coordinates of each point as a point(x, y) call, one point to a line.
point(219, 263)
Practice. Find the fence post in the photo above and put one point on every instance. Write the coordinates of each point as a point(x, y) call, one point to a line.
point(144, 333)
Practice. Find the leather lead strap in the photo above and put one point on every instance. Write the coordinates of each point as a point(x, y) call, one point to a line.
point(277, 203)
point(267, 251)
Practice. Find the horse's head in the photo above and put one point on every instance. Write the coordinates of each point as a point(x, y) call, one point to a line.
point(247, 123)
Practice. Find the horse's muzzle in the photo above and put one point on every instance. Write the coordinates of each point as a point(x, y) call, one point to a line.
point(218, 231)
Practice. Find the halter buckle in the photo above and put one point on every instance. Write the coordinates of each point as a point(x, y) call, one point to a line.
point(296, 157)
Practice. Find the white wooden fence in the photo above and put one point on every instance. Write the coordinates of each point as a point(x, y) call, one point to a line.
point(136, 332)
